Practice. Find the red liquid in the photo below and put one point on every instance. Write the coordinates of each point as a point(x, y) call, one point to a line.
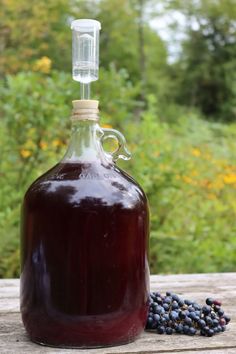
point(84, 276)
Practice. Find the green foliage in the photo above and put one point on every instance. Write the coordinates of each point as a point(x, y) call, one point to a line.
point(43, 29)
point(203, 77)
point(185, 164)
point(207, 66)
point(29, 32)
point(186, 167)
point(188, 173)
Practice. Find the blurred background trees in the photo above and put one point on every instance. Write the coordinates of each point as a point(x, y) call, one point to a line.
point(177, 111)
point(208, 67)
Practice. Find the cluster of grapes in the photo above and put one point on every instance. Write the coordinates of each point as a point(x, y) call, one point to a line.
point(171, 314)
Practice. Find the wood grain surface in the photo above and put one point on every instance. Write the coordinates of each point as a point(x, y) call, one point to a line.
point(13, 338)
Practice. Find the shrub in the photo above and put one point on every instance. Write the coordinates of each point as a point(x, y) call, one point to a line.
point(186, 166)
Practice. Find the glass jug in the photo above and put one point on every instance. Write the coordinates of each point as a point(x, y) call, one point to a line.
point(84, 239)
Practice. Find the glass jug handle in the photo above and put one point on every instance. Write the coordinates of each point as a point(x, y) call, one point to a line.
point(121, 151)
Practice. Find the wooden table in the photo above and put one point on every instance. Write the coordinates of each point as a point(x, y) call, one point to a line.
point(193, 286)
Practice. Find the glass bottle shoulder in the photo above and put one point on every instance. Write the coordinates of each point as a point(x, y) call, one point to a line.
point(93, 182)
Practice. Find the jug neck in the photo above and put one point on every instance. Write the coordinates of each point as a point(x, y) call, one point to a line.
point(87, 137)
point(85, 145)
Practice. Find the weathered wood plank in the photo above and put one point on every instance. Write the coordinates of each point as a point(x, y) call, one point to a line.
point(197, 286)
point(13, 339)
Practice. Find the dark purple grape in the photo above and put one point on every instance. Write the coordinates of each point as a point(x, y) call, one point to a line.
point(188, 302)
point(216, 329)
point(215, 322)
point(191, 309)
point(210, 332)
point(208, 320)
point(175, 305)
point(168, 300)
point(217, 308)
point(188, 321)
point(202, 323)
point(179, 328)
point(169, 330)
point(186, 329)
point(206, 309)
point(174, 315)
point(157, 294)
point(160, 329)
point(196, 306)
point(217, 302)
point(222, 321)
point(163, 321)
point(192, 331)
point(158, 309)
point(182, 314)
point(166, 306)
point(149, 322)
point(166, 316)
point(168, 293)
point(175, 297)
point(213, 315)
point(227, 319)
point(159, 300)
point(193, 316)
point(156, 317)
point(209, 301)
point(181, 302)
